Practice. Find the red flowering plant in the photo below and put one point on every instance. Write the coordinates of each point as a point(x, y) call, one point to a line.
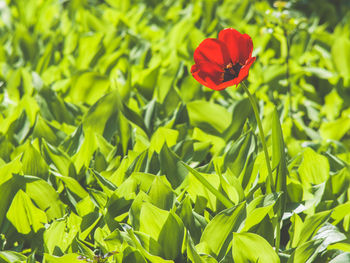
point(224, 62)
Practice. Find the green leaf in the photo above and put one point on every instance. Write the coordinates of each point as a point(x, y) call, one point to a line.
point(279, 165)
point(223, 199)
point(172, 167)
point(258, 209)
point(239, 155)
point(9, 185)
point(217, 235)
point(314, 168)
point(241, 110)
point(341, 56)
point(88, 87)
point(204, 115)
point(305, 252)
point(104, 110)
point(171, 246)
point(340, 246)
point(61, 233)
point(341, 258)
point(33, 163)
point(161, 194)
point(192, 252)
point(24, 215)
point(45, 197)
point(72, 185)
point(11, 256)
point(303, 232)
point(146, 254)
point(161, 136)
point(250, 247)
point(335, 130)
point(59, 158)
point(44, 130)
point(71, 257)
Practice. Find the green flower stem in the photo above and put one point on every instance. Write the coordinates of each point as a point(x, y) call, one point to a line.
point(262, 136)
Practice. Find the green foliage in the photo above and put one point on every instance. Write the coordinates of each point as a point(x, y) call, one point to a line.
point(111, 152)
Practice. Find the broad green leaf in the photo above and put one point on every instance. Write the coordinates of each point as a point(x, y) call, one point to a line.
point(147, 79)
point(44, 130)
point(185, 212)
point(258, 209)
point(88, 223)
point(309, 228)
point(59, 159)
point(61, 233)
point(206, 188)
point(340, 211)
point(209, 117)
point(152, 220)
point(105, 110)
point(250, 247)
point(192, 252)
point(146, 254)
point(172, 167)
point(332, 106)
point(71, 257)
point(89, 46)
point(131, 254)
point(135, 209)
point(340, 246)
point(161, 136)
point(9, 185)
point(45, 197)
point(82, 249)
point(217, 143)
point(86, 150)
point(341, 258)
point(279, 165)
point(149, 243)
point(314, 168)
point(232, 187)
point(11, 256)
point(33, 163)
point(72, 185)
point(85, 206)
point(294, 190)
point(216, 236)
point(238, 155)
point(337, 183)
point(341, 56)
point(161, 194)
point(24, 215)
point(306, 252)
point(242, 109)
point(171, 247)
point(335, 130)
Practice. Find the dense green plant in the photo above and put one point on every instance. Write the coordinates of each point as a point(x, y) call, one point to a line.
point(111, 152)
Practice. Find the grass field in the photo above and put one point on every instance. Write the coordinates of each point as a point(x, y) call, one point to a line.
point(110, 150)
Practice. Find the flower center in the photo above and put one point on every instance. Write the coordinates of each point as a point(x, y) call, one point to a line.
point(231, 71)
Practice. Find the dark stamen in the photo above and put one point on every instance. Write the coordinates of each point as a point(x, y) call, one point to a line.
point(231, 71)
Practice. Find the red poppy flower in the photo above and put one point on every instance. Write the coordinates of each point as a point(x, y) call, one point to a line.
point(223, 62)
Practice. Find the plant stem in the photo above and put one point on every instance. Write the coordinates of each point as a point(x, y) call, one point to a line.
point(262, 136)
point(287, 72)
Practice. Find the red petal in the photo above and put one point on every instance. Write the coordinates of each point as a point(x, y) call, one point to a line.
point(212, 50)
point(208, 74)
point(244, 72)
point(239, 45)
